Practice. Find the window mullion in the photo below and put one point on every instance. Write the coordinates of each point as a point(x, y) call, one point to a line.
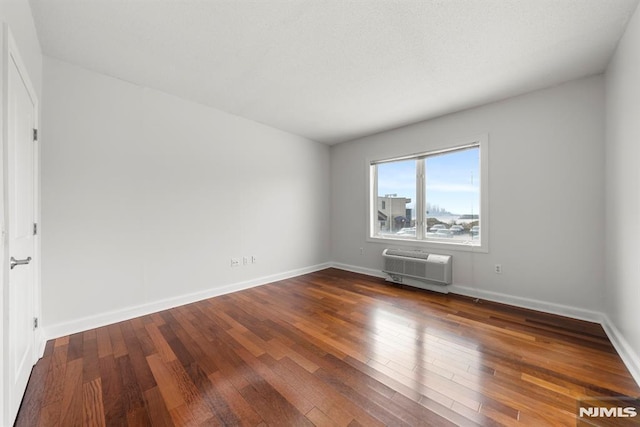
point(420, 202)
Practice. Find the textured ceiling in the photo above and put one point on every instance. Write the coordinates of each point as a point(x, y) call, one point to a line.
point(335, 70)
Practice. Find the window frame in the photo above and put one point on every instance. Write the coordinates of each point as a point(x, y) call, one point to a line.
point(482, 141)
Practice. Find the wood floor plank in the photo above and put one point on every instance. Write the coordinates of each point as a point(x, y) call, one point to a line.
point(112, 388)
point(49, 416)
point(62, 341)
point(131, 394)
point(117, 341)
point(190, 394)
point(192, 345)
point(92, 408)
point(327, 399)
point(182, 416)
point(168, 388)
point(90, 368)
point(144, 340)
point(283, 387)
point(157, 409)
point(320, 419)
point(220, 412)
point(161, 345)
point(71, 407)
point(104, 342)
point(136, 357)
point(242, 409)
point(330, 348)
point(273, 407)
point(76, 343)
point(138, 418)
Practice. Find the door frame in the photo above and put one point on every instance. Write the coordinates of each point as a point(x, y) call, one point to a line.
point(9, 52)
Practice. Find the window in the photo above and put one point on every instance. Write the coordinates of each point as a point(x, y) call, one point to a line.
point(435, 198)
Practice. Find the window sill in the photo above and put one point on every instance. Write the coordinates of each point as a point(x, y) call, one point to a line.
point(429, 244)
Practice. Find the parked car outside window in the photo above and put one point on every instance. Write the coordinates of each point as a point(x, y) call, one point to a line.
point(409, 231)
point(438, 227)
point(457, 229)
point(444, 233)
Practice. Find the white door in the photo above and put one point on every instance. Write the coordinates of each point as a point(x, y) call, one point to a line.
point(21, 121)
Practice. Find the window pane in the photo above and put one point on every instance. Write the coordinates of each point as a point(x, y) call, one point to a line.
point(452, 196)
point(396, 200)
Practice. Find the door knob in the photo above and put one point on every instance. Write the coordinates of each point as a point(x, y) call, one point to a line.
point(15, 262)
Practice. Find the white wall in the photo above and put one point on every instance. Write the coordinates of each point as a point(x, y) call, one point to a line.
point(623, 192)
point(546, 179)
point(147, 197)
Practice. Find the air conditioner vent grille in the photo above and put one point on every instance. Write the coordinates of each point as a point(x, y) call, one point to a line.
point(393, 264)
point(419, 265)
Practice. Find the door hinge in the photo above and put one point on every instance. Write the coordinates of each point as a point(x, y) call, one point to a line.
point(35, 134)
point(35, 323)
point(35, 229)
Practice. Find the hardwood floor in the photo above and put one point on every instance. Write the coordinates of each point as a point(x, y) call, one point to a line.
point(328, 348)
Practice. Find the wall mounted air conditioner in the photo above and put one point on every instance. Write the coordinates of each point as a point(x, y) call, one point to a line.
point(418, 268)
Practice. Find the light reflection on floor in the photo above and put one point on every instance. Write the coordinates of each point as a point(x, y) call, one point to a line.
point(426, 357)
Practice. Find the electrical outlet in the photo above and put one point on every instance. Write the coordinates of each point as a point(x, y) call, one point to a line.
point(235, 262)
point(253, 259)
point(497, 268)
point(245, 260)
point(361, 251)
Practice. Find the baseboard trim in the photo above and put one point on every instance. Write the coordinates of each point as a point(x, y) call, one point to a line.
point(531, 304)
point(103, 319)
point(41, 342)
point(629, 357)
point(546, 307)
point(356, 269)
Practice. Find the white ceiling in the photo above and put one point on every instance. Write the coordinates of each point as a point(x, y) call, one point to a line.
point(334, 70)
